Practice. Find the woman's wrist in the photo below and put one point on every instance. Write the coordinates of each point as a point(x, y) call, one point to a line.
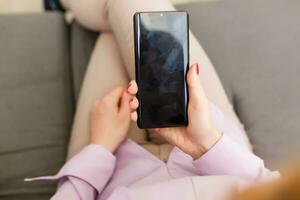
point(107, 145)
point(207, 143)
point(212, 139)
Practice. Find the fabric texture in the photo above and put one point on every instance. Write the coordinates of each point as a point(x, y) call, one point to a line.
point(35, 102)
point(254, 46)
point(134, 173)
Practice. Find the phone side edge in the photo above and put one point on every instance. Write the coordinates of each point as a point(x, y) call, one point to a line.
point(187, 69)
point(136, 21)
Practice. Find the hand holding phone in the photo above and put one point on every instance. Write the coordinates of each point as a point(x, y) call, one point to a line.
point(200, 134)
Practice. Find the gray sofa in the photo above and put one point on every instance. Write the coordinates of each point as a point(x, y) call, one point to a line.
point(254, 46)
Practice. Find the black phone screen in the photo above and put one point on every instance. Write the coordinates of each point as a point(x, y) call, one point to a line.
point(162, 60)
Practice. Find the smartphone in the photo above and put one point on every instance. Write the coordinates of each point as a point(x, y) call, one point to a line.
point(161, 64)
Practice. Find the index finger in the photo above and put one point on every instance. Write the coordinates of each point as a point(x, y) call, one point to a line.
point(132, 88)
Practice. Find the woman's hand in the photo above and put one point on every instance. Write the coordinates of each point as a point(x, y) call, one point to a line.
point(110, 119)
point(200, 134)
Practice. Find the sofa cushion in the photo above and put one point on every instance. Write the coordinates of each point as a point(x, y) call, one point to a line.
point(255, 46)
point(35, 102)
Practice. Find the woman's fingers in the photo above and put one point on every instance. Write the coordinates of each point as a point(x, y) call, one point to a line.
point(125, 102)
point(134, 103)
point(134, 116)
point(166, 133)
point(112, 99)
point(132, 87)
point(196, 91)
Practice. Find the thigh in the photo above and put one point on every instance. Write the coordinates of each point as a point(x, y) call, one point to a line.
point(104, 72)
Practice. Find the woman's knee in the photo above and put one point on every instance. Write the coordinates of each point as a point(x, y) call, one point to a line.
point(91, 14)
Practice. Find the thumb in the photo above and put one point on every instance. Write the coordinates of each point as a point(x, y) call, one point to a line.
point(165, 133)
point(196, 92)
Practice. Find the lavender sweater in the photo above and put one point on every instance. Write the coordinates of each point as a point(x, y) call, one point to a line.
point(134, 173)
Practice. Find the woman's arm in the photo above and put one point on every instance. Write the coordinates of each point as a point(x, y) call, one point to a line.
point(208, 141)
point(85, 175)
point(66, 189)
point(230, 155)
point(227, 157)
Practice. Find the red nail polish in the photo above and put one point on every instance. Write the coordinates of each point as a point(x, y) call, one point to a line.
point(197, 69)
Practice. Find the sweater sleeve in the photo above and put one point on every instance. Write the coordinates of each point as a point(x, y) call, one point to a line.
point(85, 175)
point(227, 157)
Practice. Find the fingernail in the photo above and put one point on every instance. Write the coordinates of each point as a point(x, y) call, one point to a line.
point(128, 87)
point(197, 69)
